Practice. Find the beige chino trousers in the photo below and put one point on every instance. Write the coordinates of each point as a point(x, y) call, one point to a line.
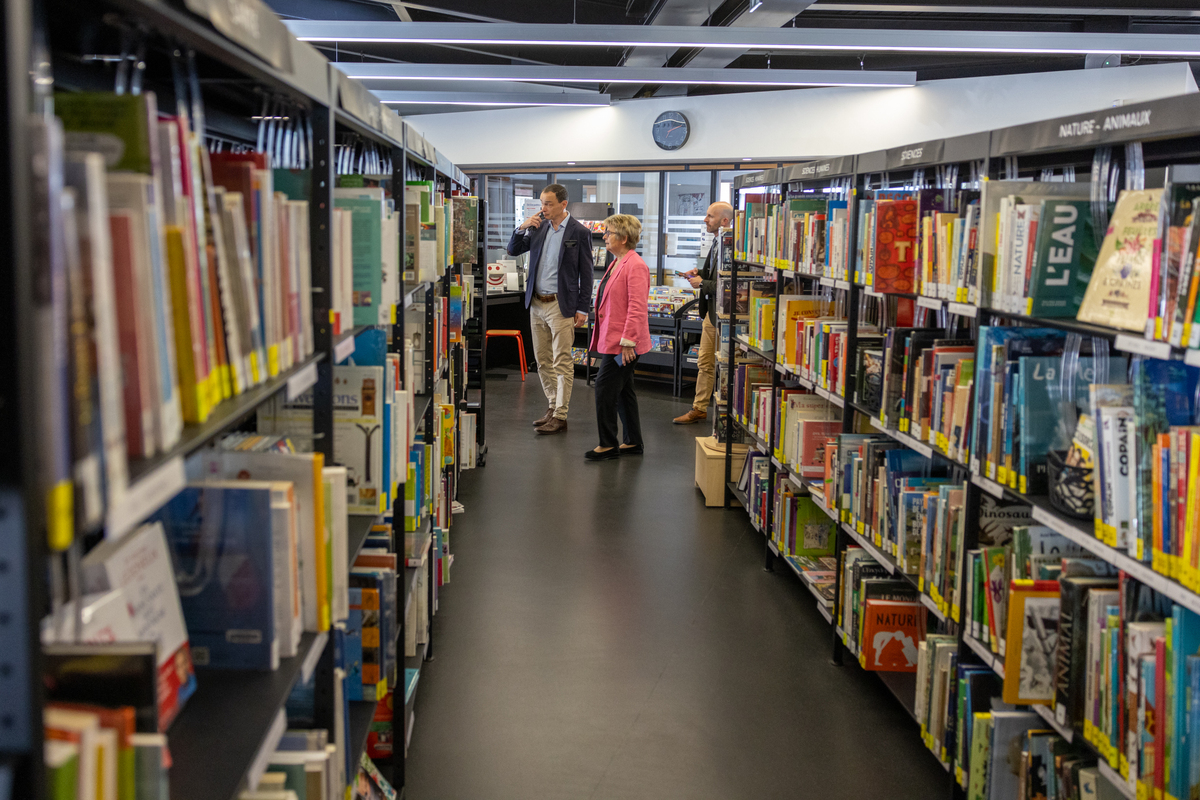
point(553, 335)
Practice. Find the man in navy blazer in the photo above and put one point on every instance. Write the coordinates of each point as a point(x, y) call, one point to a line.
point(558, 294)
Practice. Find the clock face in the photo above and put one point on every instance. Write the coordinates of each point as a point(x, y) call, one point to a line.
point(671, 130)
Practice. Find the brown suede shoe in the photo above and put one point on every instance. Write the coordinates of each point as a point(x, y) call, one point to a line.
point(555, 425)
point(691, 416)
point(537, 423)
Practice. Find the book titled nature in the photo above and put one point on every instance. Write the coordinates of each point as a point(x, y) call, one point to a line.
point(890, 634)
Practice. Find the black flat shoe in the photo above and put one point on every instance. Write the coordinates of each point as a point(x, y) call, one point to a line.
point(636, 450)
point(592, 455)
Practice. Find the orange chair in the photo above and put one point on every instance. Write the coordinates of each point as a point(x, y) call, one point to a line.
point(520, 345)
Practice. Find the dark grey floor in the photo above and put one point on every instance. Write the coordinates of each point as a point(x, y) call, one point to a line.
point(605, 635)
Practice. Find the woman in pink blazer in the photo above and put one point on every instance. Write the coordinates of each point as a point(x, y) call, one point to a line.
point(622, 333)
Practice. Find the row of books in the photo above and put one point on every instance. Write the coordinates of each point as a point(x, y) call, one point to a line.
point(809, 235)
point(374, 419)
point(1044, 249)
point(761, 316)
point(1115, 663)
point(879, 617)
point(439, 230)
point(176, 280)
point(805, 423)
point(665, 301)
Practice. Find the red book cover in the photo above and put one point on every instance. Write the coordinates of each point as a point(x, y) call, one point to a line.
point(895, 246)
point(381, 734)
point(813, 436)
point(1160, 730)
point(892, 632)
point(135, 360)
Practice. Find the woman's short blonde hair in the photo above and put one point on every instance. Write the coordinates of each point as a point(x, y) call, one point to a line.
point(625, 225)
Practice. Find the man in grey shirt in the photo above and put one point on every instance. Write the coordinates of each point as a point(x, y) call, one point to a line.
point(558, 294)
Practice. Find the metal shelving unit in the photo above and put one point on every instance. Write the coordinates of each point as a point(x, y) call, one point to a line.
point(1168, 133)
point(226, 723)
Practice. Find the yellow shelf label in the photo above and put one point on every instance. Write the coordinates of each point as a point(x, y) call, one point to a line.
point(60, 515)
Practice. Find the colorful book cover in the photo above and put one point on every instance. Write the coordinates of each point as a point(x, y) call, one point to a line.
point(1118, 294)
point(465, 212)
point(352, 645)
point(891, 631)
point(896, 233)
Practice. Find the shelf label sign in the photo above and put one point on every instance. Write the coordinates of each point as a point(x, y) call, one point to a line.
point(1157, 118)
point(251, 24)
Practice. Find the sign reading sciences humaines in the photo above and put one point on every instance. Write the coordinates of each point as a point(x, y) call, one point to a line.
point(1154, 119)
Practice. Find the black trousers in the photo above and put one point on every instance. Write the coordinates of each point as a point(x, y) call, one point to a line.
point(615, 398)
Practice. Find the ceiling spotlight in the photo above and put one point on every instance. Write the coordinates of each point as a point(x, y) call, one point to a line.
point(747, 159)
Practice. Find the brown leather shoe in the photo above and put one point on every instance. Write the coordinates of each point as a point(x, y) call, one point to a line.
point(691, 416)
point(537, 423)
point(555, 425)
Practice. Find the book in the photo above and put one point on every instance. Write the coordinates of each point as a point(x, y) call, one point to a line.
point(304, 472)
point(225, 572)
point(85, 173)
point(1063, 258)
point(1118, 294)
point(140, 565)
point(1032, 635)
point(109, 674)
point(890, 635)
point(895, 246)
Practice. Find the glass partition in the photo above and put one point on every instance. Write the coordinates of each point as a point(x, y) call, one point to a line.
point(641, 194)
point(688, 197)
point(507, 197)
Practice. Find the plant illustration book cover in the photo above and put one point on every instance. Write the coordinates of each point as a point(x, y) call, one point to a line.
point(1119, 293)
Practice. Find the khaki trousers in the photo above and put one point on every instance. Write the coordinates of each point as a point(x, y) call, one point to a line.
point(706, 366)
point(553, 335)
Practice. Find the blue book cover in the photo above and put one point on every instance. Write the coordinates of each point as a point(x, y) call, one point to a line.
point(900, 464)
point(221, 549)
point(1185, 642)
point(410, 683)
point(1188, 772)
point(1164, 395)
point(370, 349)
point(352, 646)
point(383, 581)
point(1045, 413)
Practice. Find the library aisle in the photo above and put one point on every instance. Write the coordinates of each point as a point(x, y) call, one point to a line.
point(608, 636)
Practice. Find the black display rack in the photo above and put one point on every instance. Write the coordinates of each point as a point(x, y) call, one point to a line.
point(239, 61)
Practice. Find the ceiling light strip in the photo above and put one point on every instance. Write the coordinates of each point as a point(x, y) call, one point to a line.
point(624, 75)
point(777, 39)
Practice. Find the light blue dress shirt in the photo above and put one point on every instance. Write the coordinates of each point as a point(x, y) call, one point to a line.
point(547, 273)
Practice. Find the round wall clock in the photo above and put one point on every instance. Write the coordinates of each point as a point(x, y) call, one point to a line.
point(671, 130)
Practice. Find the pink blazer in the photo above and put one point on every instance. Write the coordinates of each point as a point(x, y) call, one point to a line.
point(622, 311)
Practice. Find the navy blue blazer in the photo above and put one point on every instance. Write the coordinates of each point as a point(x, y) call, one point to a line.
point(575, 264)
